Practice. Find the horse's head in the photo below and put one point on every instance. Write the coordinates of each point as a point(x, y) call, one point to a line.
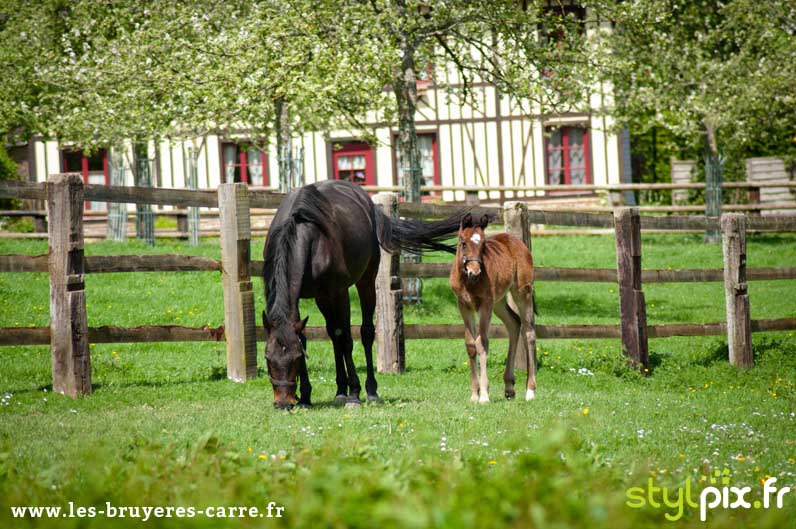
point(471, 246)
point(284, 352)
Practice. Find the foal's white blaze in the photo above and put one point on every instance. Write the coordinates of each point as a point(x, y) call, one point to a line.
point(530, 394)
point(476, 238)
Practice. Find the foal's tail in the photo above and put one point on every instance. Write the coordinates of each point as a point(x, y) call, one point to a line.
point(416, 236)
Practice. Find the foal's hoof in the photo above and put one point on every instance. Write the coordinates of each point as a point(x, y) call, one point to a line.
point(353, 402)
point(374, 398)
point(510, 394)
point(530, 394)
point(483, 399)
point(340, 400)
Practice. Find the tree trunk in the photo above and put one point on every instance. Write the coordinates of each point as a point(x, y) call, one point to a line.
point(283, 133)
point(713, 182)
point(406, 97)
point(409, 155)
point(144, 219)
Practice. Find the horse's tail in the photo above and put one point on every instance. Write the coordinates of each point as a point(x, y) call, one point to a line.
point(416, 236)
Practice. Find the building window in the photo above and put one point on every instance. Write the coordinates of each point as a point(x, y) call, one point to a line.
point(568, 156)
point(93, 167)
point(427, 144)
point(243, 162)
point(353, 161)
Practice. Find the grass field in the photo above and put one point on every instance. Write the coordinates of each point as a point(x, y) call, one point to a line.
point(164, 427)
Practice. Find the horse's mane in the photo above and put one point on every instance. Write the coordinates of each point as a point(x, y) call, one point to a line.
point(311, 207)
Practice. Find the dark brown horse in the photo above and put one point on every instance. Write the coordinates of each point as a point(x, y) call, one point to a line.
point(324, 238)
point(488, 270)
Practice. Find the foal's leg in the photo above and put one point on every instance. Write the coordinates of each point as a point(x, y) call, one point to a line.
point(523, 296)
point(512, 322)
point(367, 300)
point(470, 332)
point(482, 346)
point(336, 310)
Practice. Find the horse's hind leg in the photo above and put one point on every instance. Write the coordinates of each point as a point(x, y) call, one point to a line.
point(367, 300)
point(512, 322)
point(523, 297)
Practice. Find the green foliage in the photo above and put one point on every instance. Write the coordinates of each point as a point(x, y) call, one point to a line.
point(697, 67)
point(8, 171)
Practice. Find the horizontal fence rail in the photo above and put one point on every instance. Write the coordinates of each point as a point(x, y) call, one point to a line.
point(102, 264)
point(141, 195)
point(441, 331)
point(587, 187)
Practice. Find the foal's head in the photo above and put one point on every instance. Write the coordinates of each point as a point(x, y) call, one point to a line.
point(471, 246)
point(284, 352)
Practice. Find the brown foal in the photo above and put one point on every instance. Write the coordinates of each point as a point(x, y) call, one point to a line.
point(485, 273)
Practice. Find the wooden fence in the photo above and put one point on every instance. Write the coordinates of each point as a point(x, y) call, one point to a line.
point(179, 198)
point(69, 335)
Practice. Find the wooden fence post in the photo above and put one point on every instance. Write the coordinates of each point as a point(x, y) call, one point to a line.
point(739, 329)
point(517, 223)
point(471, 198)
point(239, 321)
point(71, 363)
point(632, 308)
point(390, 357)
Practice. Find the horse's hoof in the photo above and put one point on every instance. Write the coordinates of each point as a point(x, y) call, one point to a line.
point(530, 394)
point(510, 394)
point(474, 398)
point(483, 399)
point(340, 400)
point(374, 398)
point(353, 403)
point(305, 405)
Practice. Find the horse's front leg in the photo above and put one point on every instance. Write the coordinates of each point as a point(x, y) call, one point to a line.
point(470, 332)
point(482, 346)
point(304, 384)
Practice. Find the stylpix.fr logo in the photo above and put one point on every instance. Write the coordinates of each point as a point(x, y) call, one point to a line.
point(719, 494)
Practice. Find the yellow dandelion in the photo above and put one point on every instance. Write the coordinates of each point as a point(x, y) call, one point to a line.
point(249, 449)
point(681, 456)
point(585, 411)
point(262, 456)
point(493, 462)
point(740, 458)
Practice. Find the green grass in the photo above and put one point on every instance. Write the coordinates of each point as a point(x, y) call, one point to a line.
point(164, 426)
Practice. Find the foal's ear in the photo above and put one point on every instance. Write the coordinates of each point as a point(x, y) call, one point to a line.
point(467, 221)
point(299, 325)
point(484, 221)
point(267, 324)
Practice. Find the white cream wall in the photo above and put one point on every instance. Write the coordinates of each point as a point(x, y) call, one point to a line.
point(384, 156)
point(48, 159)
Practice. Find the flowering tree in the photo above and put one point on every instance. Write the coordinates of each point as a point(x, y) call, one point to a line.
point(721, 71)
point(95, 73)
